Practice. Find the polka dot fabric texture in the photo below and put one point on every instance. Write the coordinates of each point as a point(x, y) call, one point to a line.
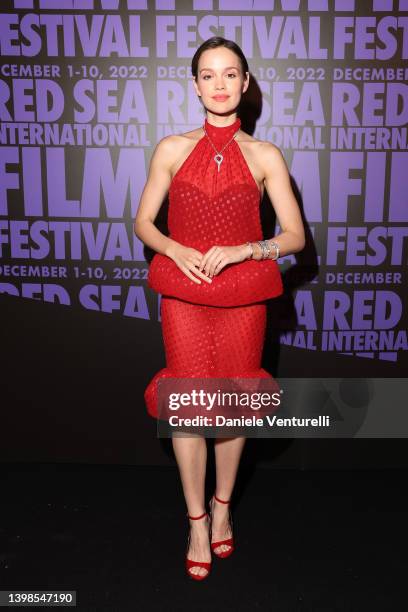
point(208, 341)
point(213, 330)
point(208, 208)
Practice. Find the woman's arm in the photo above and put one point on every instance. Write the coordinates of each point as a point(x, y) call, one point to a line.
point(153, 194)
point(156, 188)
point(277, 183)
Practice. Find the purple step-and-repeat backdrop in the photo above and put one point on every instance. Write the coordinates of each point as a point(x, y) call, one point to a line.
point(88, 87)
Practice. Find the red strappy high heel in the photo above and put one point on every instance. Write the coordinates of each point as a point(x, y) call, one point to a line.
point(189, 562)
point(228, 542)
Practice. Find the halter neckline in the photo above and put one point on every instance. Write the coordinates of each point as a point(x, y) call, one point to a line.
point(220, 135)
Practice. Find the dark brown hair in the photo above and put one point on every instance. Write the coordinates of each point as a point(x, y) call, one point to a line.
point(213, 43)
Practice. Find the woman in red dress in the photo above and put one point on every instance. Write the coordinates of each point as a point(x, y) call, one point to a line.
point(214, 271)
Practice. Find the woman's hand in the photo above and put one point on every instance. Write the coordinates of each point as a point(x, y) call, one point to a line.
point(217, 257)
point(188, 260)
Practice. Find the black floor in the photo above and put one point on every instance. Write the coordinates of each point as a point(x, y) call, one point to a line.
point(327, 541)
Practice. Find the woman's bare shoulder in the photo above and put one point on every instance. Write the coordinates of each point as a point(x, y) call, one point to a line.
point(175, 144)
point(259, 154)
point(181, 140)
point(265, 152)
point(257, 143)
point(174, 147)
point(273, 162)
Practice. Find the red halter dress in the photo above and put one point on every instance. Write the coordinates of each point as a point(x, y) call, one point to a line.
point(213, 330)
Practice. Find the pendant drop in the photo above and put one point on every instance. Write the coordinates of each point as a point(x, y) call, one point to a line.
point(218, 160)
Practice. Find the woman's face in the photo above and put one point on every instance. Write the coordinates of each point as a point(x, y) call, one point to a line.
point(220, 81)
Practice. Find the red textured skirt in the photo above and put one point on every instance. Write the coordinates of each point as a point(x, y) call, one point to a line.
point(209, 341)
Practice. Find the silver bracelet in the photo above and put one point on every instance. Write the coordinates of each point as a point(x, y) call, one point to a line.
point(265, 246)
point(267, 249)
point(276, 245)
point(262, 245)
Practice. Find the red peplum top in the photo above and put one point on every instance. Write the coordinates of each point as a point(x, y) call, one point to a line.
point(208, 207)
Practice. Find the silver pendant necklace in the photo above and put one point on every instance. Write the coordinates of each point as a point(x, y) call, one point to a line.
point(218, 158)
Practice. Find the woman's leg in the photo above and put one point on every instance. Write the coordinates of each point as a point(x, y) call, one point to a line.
point(228, 453)
point(242, 330)
point(191, 455)
point(186, 329)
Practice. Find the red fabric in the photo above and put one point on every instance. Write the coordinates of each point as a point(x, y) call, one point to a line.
point(213, 330)
point(208, 208)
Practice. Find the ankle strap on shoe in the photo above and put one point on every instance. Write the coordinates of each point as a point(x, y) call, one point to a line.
point(195, 518)
point(221, 500)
